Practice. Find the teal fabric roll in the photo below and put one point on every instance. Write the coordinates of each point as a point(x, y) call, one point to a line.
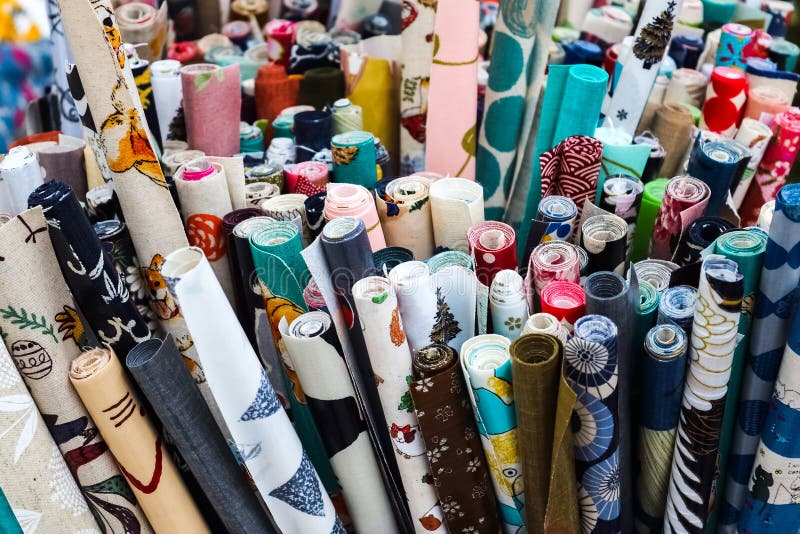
point(620, 156)
point(571, 106)
point(354, 158)
point(8, 521)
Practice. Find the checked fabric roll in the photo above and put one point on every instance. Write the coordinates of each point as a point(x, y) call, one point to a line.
point(286, 478)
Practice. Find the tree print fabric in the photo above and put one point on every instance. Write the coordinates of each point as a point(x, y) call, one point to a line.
point(713, 340)
point(36, 481)
point(263, 435)
point(456, 459)
point(44, 333)
point(122, 419)
point(97, 287)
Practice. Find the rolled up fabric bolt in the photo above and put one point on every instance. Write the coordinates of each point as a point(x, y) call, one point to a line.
point(321, 87)
point(251, 139)
point(306, 178)
point(685, 50)
point(486, 365)
point(289, 207)
point(203, 190)
point(563, 174)
point(456, 205)
point(19, 175)
point(763, 101)
point(654, 102)
point(672, 126)
point(781, 12)
point(354, 158)
point(142, 23)
point(108, 395)
point(698, 236)
point(274, 92)
point(725, 98)
point(765, 216)
point(784, 53)
point(356, 201)
point(597, 455)
point(388, 258)
point(550, 261)
point(310, 55)
point(493, 246)
point(257, 191)
point(173, 160)
point(281, 151)
point(646, 314)
point(655, 272)
point(606, 25)
point(312, 132)
point(317, 358)
point(775, 165)
point(268, 172)
point(238, 31)
point(763, 72)
point(677, 306)
point(662, 374)
point(64, 160)
point(582, 52)
point(620, 156)
point(685, 200)
point(645, 222)
point(434, 368)
point(754, 135)
point(413, 286)
point(564, 300)
point(157, 368)
point(716, 163)
point(507, 304)
point(211, 100)
point(404, 208)
point(315, 207)
point(279, 35)
point(732, 41)
point(347, 117)
point(448, 258)
point(604, 238)
point(561, 215)
point(545, 323)
point(622, 196)
point(686, 86)
point(700, 422)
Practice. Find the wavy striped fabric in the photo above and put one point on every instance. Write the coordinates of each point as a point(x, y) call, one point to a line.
point(571, 168)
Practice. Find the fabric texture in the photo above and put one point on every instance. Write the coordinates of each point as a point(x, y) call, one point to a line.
point(685, 200)
point(211, 99)
point(456, 206)
point(404, 209)
point(571, 169)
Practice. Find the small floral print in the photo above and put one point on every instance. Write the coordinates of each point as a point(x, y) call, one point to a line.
point(479, 491)
point(781, 169)
point(470, 529)
point(468, 433)
point(436, 453)
point(136, 284)
point(455, 383)
point(473, 465)
point(451, 508)
point(444, 413)
point(513, 323)
point(424, 385)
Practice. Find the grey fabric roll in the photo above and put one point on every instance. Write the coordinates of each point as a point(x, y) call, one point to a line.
point(610, 295)
point(158, 369)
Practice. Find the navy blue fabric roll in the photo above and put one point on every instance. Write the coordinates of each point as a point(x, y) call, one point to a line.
point(685, 50)
point(715, 163)
point(577, 52)
point(312, 133)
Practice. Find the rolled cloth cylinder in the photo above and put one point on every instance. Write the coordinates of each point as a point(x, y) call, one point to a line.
point(672, 126)
point(212, 98)
point(767, 100)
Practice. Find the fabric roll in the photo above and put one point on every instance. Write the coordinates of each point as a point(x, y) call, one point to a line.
point(372, 76)
point(156, 366)
point(765, 100)
point(765, 216)
point(685, 200)
point(449, 258)
point(68, 115)
point(279, 35)
point(564, 300)
point(504, 102)
point(456, 205)
point(404, 209)
point(321, 87)
point(212, 98)
point(685, 49)
point(172, 160)
point(416, 58)
point(545, 323)
point(354, 158)
point(621, 195)
point(713, 342)
point(282, 276)
point(562, 117)
point(755, 136)
point(274, 92)
point(651, 203)
point(544, 403)
point(100, 380)
point(462, 483)
point(388, 258)
point(662, 374)
point(715, 163)
point(140, 69)
point(493, 247)
point(45, 333)
point(646, 314)
point(606, 25)
point(19, 175)
point(352, 12)
point(259, 191)
point(94, 282)
point(677, 306)
point(390, 357)
point(672, 126)
point(307, 178)
point(240, 282)
point(604, 239)
point(486, 365)
point(347, 117)
point(315, 212)
point(572, 169)
point(142, 23)
point(760, 75)
point(626, 101)
point(655, 272)
point(686, 86)
point(350, 200)
point(549, 262)
point(596, 439)
point(725, 98)
point(317, 357)
point(203, 190)
point(777, 454)
point(746, 248)
point(775, 165)
point(64, 160)
point(308, 55)
point(287, 480)
point(450, 138)
point(656, 158)
point(561, 214)
point(312, 131)
point(699, 234)
point(770, 329)
point(290, 207)
point(507, 304)
point(784, 53)
point(732, 42)
point(620, 156)
point(39, 489)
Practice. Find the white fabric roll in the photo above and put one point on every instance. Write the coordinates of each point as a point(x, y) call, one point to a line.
point(687, 86)
point(545, 323)
point(507, 304)
point(755, 135)
point(234, 175)
point(165, 79)
point(20, 174)
point(456, 205)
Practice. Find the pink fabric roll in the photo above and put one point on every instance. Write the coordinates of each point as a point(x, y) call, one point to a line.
point(212, 100)
point(767, 100)
point(352, 200)
point(307, 177)
point(453, 94)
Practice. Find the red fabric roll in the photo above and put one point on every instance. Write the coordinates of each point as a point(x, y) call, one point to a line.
point(280, 36)
point(185, 51)
point(565, 300)
point(725, 98)
point(307, 178)
point(494, 247)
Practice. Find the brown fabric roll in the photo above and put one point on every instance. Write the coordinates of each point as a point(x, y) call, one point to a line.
point(64, 160)
point(275, 91)
point(44, 333)
point(121, 418)
point(451, 437)
point(544, 404)
point(672, 125)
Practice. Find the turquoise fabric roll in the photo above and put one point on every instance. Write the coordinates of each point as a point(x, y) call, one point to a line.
point(8, 521)
point(354, 158)
point(620, 156)
point(571, 106)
